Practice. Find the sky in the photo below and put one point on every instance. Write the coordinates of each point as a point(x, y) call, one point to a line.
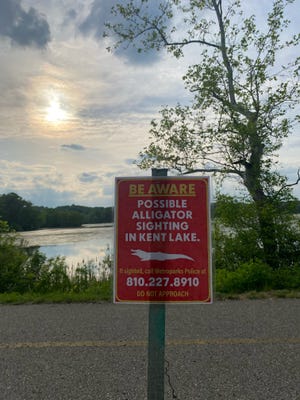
point(73, 116)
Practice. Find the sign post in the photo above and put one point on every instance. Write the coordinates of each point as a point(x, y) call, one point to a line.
point(162, 252)
point(156, 340)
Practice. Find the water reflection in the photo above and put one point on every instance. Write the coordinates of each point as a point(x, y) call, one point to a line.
point(89, 243)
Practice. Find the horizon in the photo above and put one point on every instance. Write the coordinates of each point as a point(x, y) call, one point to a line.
point(212, 201)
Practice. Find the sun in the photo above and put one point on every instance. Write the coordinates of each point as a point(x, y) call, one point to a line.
point(55, 112)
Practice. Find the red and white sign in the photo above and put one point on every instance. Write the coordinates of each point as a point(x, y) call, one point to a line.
point(162, 240)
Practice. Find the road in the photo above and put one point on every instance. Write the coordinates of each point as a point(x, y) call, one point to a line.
point(244, 350)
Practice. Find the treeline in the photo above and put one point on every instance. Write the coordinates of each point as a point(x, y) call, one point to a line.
point(292, 206)
point(22, 215)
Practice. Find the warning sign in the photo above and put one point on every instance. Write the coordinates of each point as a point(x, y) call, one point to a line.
point(162, 240)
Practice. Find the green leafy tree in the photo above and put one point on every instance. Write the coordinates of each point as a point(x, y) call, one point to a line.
point(19, 213)
point(244, 98)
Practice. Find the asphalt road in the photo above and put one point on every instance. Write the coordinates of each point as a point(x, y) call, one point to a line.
point(235, 350)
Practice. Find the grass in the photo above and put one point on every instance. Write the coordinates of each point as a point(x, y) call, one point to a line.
point(256, 295)
point(100, 292)
point(103, 293)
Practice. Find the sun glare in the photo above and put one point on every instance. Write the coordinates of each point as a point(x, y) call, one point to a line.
point(55, 113)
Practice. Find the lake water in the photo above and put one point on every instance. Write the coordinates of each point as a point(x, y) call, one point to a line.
point(88, 243)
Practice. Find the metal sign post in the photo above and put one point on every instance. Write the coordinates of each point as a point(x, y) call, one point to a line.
point(156, 340)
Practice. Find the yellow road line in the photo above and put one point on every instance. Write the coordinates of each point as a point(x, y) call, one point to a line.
point(144, 343)
point(93, 343)
point(233, 341)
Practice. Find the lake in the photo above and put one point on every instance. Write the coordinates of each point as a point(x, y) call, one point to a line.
point(87, 243)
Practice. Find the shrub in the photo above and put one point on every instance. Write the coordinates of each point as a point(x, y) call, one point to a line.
point(51, 275)
point(249, 276)
point(12, 260)
point(287, 278)
point(237, 234)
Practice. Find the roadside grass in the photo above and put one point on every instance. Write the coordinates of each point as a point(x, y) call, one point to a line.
point(258, 295)
point(252, 280)
point(99, 292)
point(103, 293)
point(51, 283)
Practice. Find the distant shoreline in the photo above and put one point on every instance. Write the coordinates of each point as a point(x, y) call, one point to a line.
point(83, 226)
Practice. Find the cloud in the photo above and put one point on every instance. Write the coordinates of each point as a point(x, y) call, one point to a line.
point(88, 177)
point(71, 14)
point(73, 146)
point(129, 161)
point(25, 28)
point(100, 13)
point(136, 102)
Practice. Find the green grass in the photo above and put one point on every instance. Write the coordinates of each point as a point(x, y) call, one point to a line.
point(254, 295)
point(97, 293)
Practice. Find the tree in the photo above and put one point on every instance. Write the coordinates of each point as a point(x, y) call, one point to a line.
point(243, 97)
point(19, 213)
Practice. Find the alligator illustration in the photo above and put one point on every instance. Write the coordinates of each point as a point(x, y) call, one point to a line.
point(159, 256)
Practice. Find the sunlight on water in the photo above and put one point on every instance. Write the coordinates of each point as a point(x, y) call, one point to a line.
point(89, 243)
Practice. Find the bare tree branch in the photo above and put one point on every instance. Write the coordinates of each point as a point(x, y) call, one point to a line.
point(212, 170)
point(290, 184)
